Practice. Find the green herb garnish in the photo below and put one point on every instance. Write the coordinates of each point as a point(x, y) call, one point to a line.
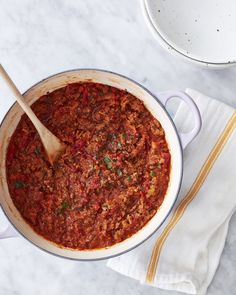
point(64, 205)
point(37, 151)
point(108, 162)
point(19, 184)
point(124, 135)
point(153, 173)
point(159, 166)
point(129, 178)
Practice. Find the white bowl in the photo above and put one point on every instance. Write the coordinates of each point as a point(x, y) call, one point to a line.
point(202, 32)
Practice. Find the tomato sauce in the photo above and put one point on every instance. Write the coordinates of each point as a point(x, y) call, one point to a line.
point(110, 181)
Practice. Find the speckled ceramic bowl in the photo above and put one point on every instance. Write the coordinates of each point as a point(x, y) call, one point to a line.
point(202, 32)
point(155, 104)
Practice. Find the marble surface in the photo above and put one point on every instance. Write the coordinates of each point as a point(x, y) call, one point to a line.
point(39, 38)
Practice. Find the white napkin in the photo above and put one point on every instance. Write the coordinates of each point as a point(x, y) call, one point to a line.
point(189, 256)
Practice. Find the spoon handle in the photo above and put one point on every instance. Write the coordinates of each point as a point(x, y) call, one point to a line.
point(19, 99)
point(52, 144)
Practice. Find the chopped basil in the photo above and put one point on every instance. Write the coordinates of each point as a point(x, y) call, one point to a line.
point(129, 178)
point(119, 172)
point(19, 184)
point(108, 162)
point(153, 173)
point(65, 205)
point(37, 151)
point(124, 135)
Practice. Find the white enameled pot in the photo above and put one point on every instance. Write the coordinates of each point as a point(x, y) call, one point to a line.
point(155, 104)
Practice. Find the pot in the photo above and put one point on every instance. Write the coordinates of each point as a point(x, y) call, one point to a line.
point(155, 104)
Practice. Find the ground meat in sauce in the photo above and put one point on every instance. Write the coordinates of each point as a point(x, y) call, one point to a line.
point(110, 181)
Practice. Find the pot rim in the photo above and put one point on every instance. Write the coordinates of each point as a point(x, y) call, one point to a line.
point(181, 165)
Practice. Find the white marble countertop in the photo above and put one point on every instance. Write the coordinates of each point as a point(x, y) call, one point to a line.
point(39, 38)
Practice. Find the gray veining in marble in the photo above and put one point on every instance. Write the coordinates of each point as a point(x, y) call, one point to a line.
point(42, 37)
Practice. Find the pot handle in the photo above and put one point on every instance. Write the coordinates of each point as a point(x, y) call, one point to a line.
point(185, 138)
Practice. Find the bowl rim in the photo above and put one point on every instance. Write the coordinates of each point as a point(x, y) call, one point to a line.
point(181, 166)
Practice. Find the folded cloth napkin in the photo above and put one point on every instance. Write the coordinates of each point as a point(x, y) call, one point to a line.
point(184, 253)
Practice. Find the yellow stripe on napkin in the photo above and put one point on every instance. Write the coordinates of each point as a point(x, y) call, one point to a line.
point(179, 211)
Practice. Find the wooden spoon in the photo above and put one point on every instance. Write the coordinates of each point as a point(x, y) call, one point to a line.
point(53, 146)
